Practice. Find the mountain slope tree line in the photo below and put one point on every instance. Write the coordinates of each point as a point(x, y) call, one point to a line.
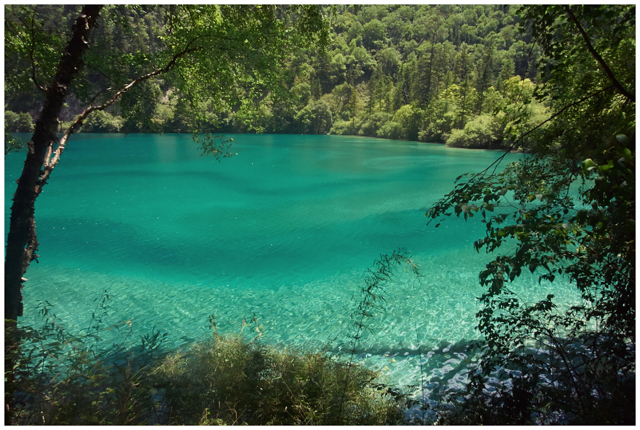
point(415, 72)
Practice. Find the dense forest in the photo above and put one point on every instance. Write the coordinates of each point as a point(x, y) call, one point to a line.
point(557, 81)
point(449, 74)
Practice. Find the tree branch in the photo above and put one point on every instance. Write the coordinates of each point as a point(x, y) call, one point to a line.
point(598, 58)
point(564, 109)
point(93, 99)
point(100, 72)
point(53, 157)
point(519, 139)
point(33, 76)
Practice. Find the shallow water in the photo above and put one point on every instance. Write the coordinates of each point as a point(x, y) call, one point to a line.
point(284, 231)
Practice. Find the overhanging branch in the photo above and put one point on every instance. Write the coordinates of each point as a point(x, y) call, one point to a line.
point(555, 115)
point(53, 157)
point(597, 56)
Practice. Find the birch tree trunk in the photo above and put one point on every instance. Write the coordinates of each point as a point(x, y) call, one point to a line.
point(22, 242)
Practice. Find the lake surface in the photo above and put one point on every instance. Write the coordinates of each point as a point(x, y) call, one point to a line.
point(285, 231)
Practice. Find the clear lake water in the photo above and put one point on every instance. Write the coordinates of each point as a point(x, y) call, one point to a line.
point(285, 230)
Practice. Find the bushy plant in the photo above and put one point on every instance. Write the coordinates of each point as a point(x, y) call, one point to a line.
point(390, 130)
point(10, 120)
point(373, 122)
point(102, 122)
point(409, 119)
point(61, 378)
point(484, 131)
point(315, 118)
point(572, 364)
point(567, 211)
point(341, 127)
point(232, 381)
point(18, 122)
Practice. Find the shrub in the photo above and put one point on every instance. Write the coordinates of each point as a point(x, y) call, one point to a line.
point(409, 120)
point(102, 122)
point(18, 122)
point(232, 381)
point(484, 131)
point(373, 123)
point(54, 377)
point(390, 130)
point(10, 121)
point(341, 127)
point(315, 118)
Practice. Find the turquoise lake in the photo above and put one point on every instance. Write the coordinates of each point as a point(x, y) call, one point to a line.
point(285, 230)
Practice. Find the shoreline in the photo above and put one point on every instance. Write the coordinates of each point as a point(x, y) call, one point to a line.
point(418, 142)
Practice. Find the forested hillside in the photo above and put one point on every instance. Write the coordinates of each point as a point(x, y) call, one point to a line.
point(561, 87)
point(447, 73)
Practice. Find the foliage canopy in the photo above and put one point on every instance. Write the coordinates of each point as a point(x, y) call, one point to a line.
point(575, 364)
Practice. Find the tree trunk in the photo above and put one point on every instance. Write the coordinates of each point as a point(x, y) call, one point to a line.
point(21, 241)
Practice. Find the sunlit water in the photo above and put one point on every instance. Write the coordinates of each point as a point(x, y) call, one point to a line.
point(284, 231)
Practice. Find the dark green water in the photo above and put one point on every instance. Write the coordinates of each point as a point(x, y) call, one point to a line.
point(284, 230)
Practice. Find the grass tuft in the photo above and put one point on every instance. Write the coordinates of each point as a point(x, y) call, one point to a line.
point(231, 381)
